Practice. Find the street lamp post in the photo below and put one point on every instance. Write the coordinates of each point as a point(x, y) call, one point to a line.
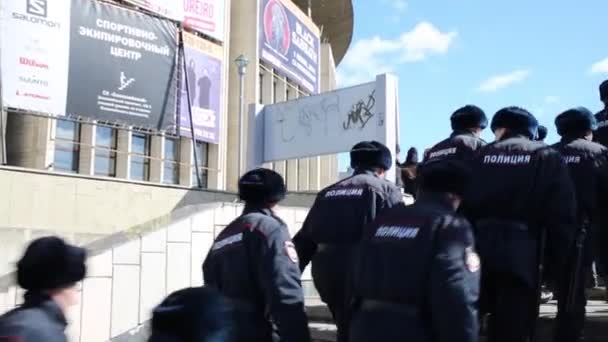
point(241, 63)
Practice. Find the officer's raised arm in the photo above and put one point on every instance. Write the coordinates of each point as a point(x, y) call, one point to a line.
point(454, 283)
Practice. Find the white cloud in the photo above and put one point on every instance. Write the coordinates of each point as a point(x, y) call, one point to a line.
point(502, 81)
point(600, 67)
point(397, 5)
point(367, 58)
point(551, 99)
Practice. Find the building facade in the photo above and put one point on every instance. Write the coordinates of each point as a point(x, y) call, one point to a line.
point(105, 149)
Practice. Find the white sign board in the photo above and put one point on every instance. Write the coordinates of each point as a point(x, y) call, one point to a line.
point(35, 53)
point(326, 123)
point(206, 16)
point(172, 9)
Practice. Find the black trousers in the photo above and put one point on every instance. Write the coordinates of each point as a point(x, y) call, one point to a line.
point(331, 275)
point(570, 322)
point(510, 302)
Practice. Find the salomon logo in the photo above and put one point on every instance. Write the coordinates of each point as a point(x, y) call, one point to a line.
point(37, 7)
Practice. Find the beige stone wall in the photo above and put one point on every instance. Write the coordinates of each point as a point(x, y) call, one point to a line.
point(126, 280)
point(82, 208)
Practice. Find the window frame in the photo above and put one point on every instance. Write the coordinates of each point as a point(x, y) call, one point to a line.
point(175, 162)
point(111, 151)
point(145, 157)
point(74, 144)
point(203, 166)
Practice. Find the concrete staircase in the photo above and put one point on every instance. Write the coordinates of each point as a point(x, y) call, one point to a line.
point(596, 329)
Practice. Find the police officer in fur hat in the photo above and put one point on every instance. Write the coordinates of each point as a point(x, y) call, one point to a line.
point(48, 271)
point(334, 224)
point(417, 273)
point(254, 263)
point(588, 165)
point(542, 133)
point(520, 187)
point(601, 133)
point(198, 314)
point(467, 124)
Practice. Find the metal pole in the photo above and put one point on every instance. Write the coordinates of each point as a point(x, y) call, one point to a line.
point(241, 114)
point(183, 52)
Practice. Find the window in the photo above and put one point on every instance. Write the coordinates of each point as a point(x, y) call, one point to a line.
point(106, 141)
point(202, 155)
point(67, 148)
point(287, 92)
point(274, 91)
point(171, 161)
point(140, 157)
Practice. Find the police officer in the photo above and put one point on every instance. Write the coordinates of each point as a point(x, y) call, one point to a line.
point(601, 134)
point(542, 133)
point(198, 314)
point(48, 271)
point(417, 273)
point(588, 165)
point(254, 263)
point(467, 124)
point(335, 222)
point(520, 186)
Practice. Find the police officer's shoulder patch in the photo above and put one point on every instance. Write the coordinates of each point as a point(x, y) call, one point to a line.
point(290, 250)
point(471, 260)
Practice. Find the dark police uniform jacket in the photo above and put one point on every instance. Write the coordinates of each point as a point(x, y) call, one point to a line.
point(39, 319)
point(417, 268)
point(342, 210)
point(588, 165)
point(601, 134)
point(254, 263)
point(460, 145)
point(520, 186)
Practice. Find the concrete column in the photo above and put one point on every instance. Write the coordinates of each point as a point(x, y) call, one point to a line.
point(157, 153)
point(221, 160)
point(314, 174)
point(292, 165)
point(333, 168)
point(3, 147)
point(45, 144)
point(186, 160)
point(267, 96)
point(123, 154)
point(325, 174)
point(281, 91)
point(243, 40)
point(213, 180)
point(86, 162)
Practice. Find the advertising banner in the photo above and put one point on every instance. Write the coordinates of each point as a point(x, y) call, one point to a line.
point(289, 45)
point(204, 73)
point(171, 9)
point(122, 66)
point(34, 54)
point(205, 16)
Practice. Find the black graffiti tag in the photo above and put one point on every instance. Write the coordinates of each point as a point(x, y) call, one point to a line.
point(361, 113)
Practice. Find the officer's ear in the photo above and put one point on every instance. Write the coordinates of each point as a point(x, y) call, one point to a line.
point(499, 133)
point(380, 172)
point(456, 200)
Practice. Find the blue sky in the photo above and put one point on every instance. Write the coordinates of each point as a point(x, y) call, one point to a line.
point(543, 55)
